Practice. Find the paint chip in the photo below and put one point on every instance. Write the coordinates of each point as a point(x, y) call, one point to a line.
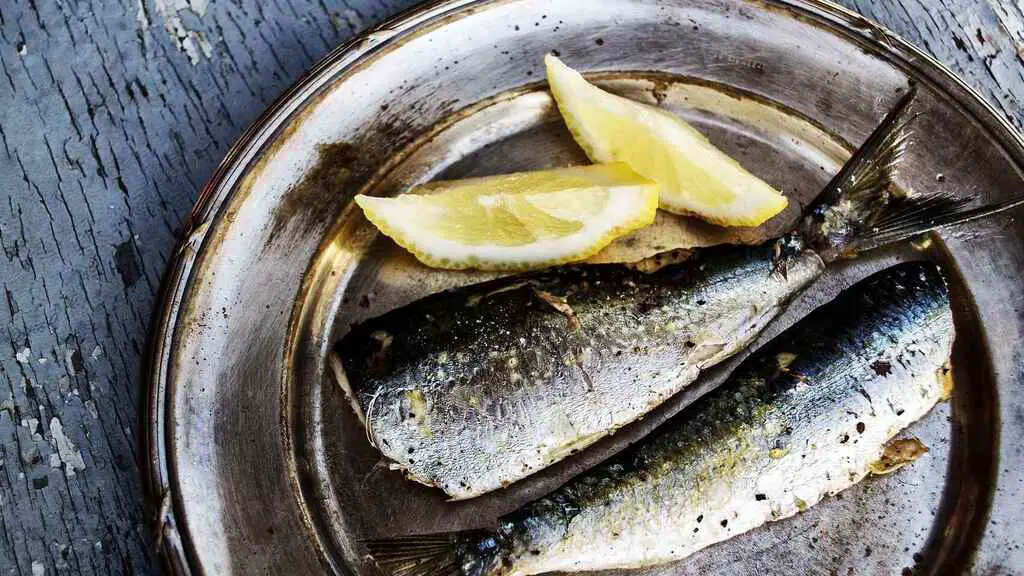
point(187, 41)
point(24, 355)
point(67, 451)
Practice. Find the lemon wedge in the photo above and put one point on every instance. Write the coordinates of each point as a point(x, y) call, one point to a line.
point(517, 221)
point(695, 177)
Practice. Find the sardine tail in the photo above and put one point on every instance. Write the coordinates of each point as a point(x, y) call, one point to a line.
point(860, 194)
point(451, 554)
point(430, 555)
point(910, 217)
point(860, 210)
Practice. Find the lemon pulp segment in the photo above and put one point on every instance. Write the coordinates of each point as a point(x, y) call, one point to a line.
point(517, 221)
point(695, 177)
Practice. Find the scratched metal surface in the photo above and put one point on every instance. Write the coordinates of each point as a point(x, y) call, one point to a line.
point(114, 114)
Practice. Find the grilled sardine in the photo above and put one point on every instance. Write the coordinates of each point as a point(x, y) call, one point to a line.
point(808, 415)
point(472, 389)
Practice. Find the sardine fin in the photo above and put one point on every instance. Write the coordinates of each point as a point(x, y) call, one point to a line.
point(860, 209)
point(426, 555)
point(467, 553)
point(911, 216)
point(861, 193)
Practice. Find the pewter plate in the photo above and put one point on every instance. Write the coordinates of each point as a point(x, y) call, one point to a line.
point(257, 465)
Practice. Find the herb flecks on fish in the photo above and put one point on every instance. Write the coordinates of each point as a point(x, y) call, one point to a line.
point(764, 446)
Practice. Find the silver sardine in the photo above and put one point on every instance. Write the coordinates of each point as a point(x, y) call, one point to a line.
point(807, 416)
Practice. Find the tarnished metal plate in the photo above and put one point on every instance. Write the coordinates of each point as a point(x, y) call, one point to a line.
point(256, 462)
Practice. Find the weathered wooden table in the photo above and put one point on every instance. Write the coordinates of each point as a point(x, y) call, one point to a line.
point(112, 115)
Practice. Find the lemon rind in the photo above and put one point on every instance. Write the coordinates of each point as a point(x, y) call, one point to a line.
point(736, 213)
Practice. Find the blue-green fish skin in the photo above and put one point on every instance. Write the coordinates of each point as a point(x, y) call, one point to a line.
point(806, 416)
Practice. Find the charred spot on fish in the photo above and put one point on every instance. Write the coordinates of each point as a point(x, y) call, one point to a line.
point(900, 412)
point(701, 302)
point(844, 438)
point(535, 552)
point(690, 344)
point(760, 497)
point(411, 450)
point(881, 367)
point(724, 523)
point(860, 427)
point(700, 518)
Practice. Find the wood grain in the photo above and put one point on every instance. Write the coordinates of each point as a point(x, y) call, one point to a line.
point(112, 115)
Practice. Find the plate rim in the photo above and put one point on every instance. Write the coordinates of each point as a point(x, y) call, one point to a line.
point(159, 472)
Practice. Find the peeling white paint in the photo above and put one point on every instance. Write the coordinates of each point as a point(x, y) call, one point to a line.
point(24, 355)
point(96, 353)
point(38, 569)
point(54, 460)
point(1012, 21)
point(91, 407)
point(31, 423)
point(69, 362)
point(68, 452)
point(141, 16)
point(188, 41)
point(204, 44)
